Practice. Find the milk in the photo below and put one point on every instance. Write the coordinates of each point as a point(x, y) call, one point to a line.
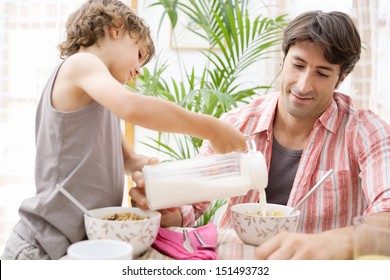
point(203, 179)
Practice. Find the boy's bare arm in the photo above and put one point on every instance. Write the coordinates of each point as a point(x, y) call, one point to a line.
point(89, 74)
point(132, 161)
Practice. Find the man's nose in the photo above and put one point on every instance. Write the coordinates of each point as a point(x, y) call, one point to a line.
point(305, 83)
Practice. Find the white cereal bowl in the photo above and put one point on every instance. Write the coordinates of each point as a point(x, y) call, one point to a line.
point(100, 249)
point(139, 233)
point(255, 230)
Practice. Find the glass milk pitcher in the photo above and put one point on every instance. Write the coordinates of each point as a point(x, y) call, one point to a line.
point(206, 178)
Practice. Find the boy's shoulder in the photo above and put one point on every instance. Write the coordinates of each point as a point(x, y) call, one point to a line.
point(80, 64)
point(83, 59)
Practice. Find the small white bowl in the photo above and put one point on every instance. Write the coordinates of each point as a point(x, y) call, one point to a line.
point(255, 230)
point(100, 249)
point(139, 233)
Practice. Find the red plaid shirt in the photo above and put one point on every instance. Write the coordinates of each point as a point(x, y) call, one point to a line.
point(354, 143)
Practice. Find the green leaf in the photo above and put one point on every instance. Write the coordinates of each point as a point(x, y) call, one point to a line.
point(237, 38)
point(208, 216)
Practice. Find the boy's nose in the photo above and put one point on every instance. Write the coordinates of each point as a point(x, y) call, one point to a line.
point(136, 71)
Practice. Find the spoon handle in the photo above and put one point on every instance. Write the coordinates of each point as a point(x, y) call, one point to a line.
point(311, 191)
point(71, 198)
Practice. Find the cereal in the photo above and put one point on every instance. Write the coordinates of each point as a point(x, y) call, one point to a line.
point(275, 213)
point(125, 217)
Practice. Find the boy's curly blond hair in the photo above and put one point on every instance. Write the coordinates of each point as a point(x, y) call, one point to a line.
point(86, 25)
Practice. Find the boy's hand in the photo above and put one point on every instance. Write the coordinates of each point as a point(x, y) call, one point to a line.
point(137, 193)
point(228, 139)
point(169, 217)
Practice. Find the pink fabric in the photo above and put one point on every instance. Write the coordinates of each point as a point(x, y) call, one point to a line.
point(170, 243)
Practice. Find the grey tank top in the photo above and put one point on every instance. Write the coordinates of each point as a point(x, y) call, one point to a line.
point(284, 165)
point(81, 150)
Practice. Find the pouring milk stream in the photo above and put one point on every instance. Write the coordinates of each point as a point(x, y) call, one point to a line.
point(206, 178)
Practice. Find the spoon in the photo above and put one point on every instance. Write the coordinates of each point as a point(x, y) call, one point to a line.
point(74, 200)
point(311, 191)
point(202, 243)
point(187, 242)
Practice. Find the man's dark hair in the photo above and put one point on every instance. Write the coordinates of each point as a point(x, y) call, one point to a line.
point(334, 32)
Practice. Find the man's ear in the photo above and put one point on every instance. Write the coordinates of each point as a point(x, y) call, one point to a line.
point(282, 62)
point(341, 80)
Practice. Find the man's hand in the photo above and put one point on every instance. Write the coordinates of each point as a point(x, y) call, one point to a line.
point(328, 245)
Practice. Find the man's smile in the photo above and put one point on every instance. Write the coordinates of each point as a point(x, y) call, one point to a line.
point(301, 100)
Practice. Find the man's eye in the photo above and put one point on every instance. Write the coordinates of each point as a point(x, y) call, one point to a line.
point(297, 65)
point(323, 75)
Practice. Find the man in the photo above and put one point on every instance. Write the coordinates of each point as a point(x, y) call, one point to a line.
point(307, 129)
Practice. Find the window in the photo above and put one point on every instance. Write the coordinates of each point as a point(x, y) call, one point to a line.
point(29, 33)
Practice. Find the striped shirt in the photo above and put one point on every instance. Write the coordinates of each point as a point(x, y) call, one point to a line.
point(354, 143)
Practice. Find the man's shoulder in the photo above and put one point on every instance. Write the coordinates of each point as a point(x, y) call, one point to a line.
point(256, 115)
point(357, 116)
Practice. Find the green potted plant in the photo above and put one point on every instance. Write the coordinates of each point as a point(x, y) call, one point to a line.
point(236, 40)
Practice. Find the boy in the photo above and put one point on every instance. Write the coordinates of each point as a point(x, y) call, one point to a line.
point(78, 138)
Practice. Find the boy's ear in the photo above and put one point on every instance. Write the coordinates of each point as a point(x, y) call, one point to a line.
point(114, 32)
point(116, 29)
